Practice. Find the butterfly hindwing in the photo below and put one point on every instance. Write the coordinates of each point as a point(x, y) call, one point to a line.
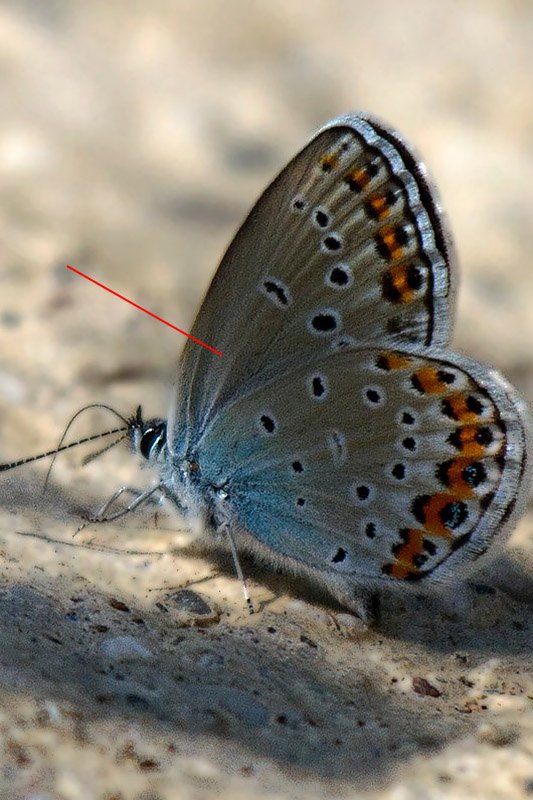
point(373, 463)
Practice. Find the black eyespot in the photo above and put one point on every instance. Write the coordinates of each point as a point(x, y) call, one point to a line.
point(321, 218)
point(429, 546)
point(332, 243)
point(418, 507)
point(339, 277)
point(398, 471)
point(474, 405)
point(324, 323)
point(373, 396)
point(370, 530)
point(363, 492)
point(408, 418)
point(298, 204)
point(414, 277)
point(392, 196)
point(409, 443)
point(484, 436)
point(277, 292)
point(447, 409)
point(339, 556)
point(401, 234)
point(487, 499)
point(297, 466)
point(300, 501)
point(446, 377)
point(268, 423)
point(317, 386)
point(415, 380)
point(454, 514)
point(442, 470)
point(474, 474)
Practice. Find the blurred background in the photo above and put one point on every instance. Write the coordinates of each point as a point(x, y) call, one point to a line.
point(134, 138)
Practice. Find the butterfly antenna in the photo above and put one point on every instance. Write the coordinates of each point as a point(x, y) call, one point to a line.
point(238, 569)
point(61, 447)
point(91, 457)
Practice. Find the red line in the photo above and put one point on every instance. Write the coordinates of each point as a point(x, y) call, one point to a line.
point(144, 309)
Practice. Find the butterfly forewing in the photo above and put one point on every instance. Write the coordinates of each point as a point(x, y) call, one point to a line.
point(344, 248)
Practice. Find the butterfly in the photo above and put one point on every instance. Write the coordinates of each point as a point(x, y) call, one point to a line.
point(337, 437)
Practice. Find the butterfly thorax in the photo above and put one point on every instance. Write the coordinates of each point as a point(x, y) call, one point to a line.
point(180, 478)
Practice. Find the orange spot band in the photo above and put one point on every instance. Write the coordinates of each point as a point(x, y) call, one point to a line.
point(429, 381)
point(460, 410)
point(388, 237)
point(396, 360)
point(380, 206)
point(399, 276)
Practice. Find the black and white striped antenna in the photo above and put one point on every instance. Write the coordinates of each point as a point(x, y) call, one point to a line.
point(124, 429)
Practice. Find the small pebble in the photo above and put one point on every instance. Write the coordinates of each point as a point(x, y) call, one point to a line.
point(423, 687)
point(124, 647)
point(498, 734)
point(193, 609)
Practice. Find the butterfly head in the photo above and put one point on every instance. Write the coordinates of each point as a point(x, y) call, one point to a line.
point(148, 438)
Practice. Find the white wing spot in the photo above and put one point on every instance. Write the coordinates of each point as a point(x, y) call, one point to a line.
point(338, 447)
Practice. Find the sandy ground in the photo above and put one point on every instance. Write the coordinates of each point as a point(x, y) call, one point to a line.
point(133, 139)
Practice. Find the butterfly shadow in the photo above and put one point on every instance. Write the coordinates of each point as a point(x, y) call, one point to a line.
point(250, 692)
point(489, 613)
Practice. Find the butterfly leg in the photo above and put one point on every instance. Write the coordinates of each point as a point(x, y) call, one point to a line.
point(225, 529)
point(139, 498)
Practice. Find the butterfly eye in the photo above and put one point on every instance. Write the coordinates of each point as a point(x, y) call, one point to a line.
point(152, 440)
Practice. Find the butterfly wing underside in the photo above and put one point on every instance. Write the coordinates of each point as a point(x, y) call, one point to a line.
point(345, 246)
point(349, 441)
point(416, 463)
